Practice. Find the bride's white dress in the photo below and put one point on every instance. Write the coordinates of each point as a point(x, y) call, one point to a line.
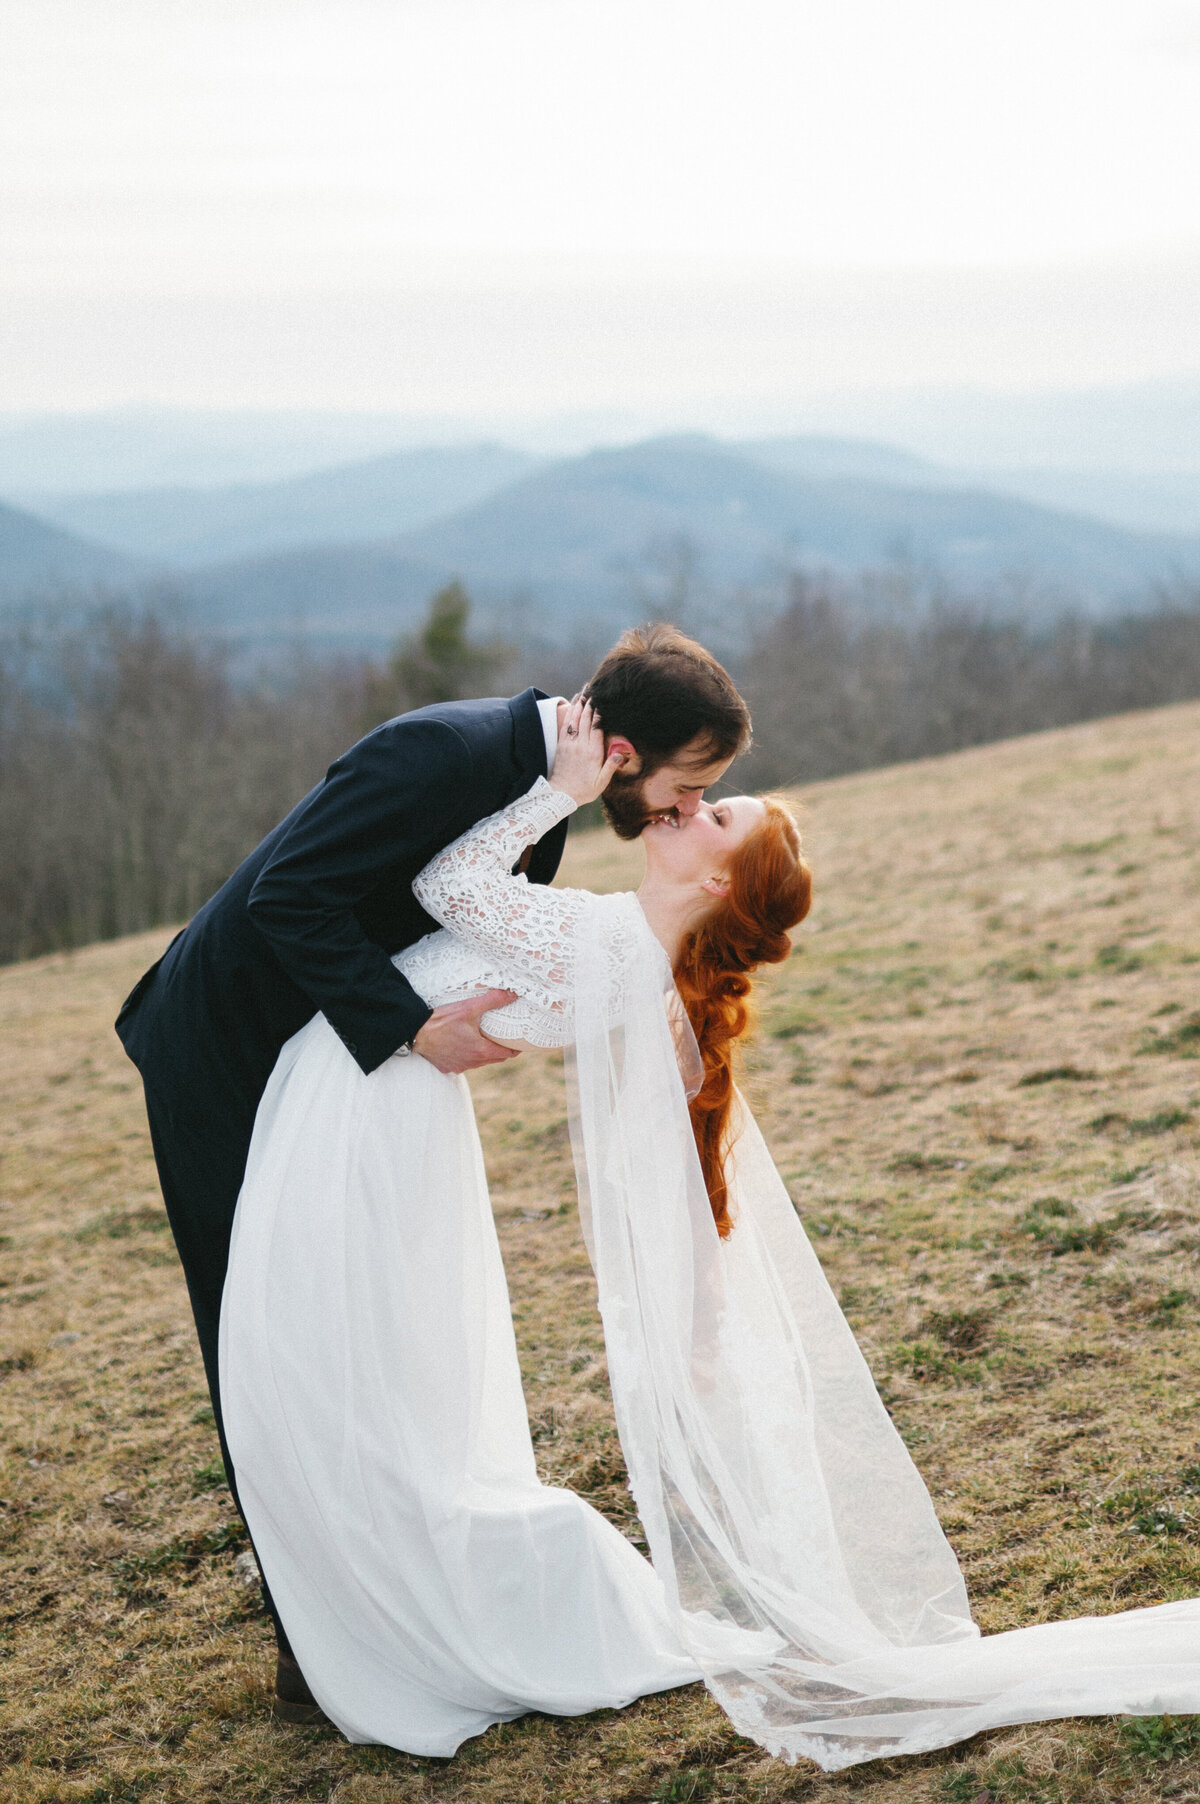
point(429, 1584)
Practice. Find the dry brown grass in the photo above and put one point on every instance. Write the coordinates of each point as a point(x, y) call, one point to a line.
point(980, 1078)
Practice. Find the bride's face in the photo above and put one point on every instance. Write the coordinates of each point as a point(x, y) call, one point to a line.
point(696, 848)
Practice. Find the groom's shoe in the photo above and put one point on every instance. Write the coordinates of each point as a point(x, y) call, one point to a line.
point(293, 1701)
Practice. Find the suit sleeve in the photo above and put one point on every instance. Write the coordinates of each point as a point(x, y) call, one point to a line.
point(385, 800)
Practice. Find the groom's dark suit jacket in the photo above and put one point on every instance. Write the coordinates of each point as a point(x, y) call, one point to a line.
point(312, 917)
point(309, 922)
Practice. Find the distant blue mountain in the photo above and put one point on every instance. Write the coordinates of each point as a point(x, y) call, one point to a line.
point(37, 559)
point(1141, 500)
point(588, 542)
point(372, 499)
point(1150, 501)
point(820, 455)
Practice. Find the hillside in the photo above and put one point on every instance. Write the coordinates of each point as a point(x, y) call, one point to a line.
point(820, 454)
point(555, 550)
point(583, 540)
point(1143, 501)
point(979, 1075)
point(372, 499)
point(37, 557)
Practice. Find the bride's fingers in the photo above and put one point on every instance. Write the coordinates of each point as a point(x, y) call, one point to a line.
point(580, 725)
point(591, 725)
point(608, 770)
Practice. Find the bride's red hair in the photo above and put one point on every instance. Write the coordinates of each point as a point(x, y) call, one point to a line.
point(770, 890)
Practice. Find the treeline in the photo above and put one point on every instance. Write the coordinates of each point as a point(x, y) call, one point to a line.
point(137, 767)
point(135, 774)
point(833, 690)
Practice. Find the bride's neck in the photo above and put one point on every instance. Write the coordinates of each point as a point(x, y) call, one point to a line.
point(672, 911)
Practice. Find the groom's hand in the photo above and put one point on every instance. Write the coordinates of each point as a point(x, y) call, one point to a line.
point(452, 1040)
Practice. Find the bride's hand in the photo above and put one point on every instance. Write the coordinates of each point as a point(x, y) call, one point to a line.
point(582, 768)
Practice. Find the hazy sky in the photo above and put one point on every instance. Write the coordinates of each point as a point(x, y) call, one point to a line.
point(547, 204)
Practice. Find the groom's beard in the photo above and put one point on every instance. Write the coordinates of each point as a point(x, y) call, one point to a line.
point(624, 806)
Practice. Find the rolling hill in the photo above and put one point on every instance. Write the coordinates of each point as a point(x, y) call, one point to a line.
point(978, 1076)
point(348, 556)
point(36, 557)
point(586, 541)
point(371, 499)
point(1149, 501)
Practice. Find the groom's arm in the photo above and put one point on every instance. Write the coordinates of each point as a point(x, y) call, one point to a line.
point(388, 797)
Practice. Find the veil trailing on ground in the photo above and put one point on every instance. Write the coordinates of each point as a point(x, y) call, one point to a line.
point(813, 1584)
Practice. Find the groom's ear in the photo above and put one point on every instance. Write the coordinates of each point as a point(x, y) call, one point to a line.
point(631, 762)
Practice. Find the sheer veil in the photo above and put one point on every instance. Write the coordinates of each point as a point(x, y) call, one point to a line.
point(812, 1582)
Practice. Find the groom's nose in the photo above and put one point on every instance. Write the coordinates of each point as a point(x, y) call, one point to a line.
point(689, 802)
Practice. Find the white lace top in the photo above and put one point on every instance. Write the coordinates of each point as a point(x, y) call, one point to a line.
point(500, 931)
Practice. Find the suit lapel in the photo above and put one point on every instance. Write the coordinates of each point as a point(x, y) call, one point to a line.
point(528, 741)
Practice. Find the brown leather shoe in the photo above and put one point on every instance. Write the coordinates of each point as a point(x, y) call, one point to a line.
point(293, 1701)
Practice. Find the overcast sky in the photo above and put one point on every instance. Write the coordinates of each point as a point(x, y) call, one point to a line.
point(547, 204)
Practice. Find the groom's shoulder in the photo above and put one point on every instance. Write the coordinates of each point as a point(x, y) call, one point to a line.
point(490, 721)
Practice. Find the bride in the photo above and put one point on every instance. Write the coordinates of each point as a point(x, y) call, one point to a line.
point(429, 1584)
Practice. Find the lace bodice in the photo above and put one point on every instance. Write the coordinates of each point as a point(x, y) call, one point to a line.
point(500, 931)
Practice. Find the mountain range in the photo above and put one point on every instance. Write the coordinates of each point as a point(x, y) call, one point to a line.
point(366, 499)
point(39, 558)
point(559, 548)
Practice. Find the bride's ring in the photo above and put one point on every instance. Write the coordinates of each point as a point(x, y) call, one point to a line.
point(571, 732)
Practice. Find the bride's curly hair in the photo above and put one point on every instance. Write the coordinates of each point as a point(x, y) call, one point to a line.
point(770, 890)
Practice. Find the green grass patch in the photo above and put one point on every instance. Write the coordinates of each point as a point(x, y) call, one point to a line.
point(1119, 959)
point(1057, 1229)
point(948, 1347)
point(1140, 1512)
point(926, 1162)
point(691, 1783)
point(209, 1478)
point(962, 1330)
point(1018, 971)
point(121, 1224)
point(1056, 1074)
point(1181, 1042)
point(800, 1021)
point(1161, 1122)
point(1091, 848)
point(182, 1555)
point(986, 1177)
point(1164, 1312)
point(1156, 1740)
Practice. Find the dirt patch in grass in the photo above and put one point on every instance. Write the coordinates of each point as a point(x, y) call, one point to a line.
point(979, 1076)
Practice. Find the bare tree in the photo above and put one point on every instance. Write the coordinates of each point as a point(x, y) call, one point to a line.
point(137, 768)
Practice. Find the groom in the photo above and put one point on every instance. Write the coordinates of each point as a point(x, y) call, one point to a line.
point(310, 922)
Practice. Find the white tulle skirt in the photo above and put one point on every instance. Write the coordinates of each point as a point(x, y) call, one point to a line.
point(429, 1584)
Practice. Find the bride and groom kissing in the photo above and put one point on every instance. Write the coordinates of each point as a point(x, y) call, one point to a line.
point(302, 1044)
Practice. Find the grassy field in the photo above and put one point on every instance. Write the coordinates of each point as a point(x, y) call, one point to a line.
point(980, 1075)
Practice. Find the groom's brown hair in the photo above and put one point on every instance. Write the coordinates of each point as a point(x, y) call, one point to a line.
point(663, 691)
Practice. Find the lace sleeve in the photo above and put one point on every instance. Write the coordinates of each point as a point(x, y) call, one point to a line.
point(524, 927)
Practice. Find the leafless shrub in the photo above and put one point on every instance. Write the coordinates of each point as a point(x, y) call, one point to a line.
point(833, 689)
point(135, 773)
point(137, 768)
